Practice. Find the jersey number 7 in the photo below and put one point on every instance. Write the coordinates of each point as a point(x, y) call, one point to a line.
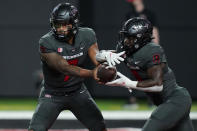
point(71, 62)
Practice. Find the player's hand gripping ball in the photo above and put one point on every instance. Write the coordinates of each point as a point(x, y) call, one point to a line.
point(106, 73)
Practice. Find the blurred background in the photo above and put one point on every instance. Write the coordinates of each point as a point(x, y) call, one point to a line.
point(23, 22)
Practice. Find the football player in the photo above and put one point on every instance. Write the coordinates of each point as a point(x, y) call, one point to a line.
point(147, 62)
point(63, 51)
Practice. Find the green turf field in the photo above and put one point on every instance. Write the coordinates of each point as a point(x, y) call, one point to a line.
point(104, 104)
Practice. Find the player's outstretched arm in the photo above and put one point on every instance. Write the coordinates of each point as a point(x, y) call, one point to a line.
point(59, 63)
point(154, 84)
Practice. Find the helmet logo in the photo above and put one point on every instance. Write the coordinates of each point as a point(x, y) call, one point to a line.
point(137, 27)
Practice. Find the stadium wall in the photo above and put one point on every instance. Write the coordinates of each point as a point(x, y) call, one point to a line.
point(23, 22)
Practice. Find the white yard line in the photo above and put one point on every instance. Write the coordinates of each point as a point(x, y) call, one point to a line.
point(66, 115)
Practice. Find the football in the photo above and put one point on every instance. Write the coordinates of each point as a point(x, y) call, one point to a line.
point(106, 74)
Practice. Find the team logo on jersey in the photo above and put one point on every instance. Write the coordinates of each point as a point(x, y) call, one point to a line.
point(59, 50)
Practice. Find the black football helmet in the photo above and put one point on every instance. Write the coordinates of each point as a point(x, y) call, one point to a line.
point(135, 33)
point(64, 13)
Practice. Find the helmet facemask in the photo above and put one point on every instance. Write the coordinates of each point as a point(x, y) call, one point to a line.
point(129, 43)
point(61, 34)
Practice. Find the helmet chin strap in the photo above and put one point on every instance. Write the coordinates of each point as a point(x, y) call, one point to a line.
point(133, 49)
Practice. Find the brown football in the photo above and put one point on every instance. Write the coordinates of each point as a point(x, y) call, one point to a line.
point(106, 74)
